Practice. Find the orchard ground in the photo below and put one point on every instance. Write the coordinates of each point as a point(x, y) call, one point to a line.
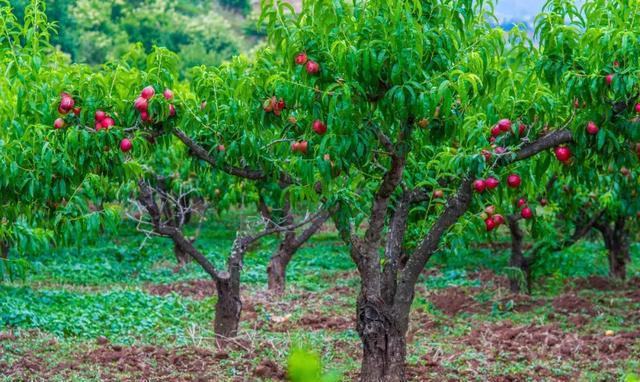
point(111, 311)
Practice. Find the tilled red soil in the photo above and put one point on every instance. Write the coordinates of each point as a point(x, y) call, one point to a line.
point(452, 301)
point(572, 303)
point(605, 284)
point(143, 363)
point(538, 342)
point(487, 278)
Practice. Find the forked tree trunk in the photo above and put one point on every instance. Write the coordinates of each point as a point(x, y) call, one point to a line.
point(386, 292)
point(229, 304)
point(277, 268)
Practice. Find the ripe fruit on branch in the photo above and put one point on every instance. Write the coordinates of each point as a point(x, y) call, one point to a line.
point(522, 202)
point(172, 110)
point(504, 125)
point(301, 58)
point(500, 150)
point(273, 105)
point(144, 116)
point(66, 103)
point(168, 94)
point(437, 194)
point(76, 111)
point(319, 127)
point(514, 180)
point(125, 145)
point(490, 210)
point(278, 106)
point(312, 67)
point(59, 123)
point(108, 122)
point(543, 202)
point(491, 182)
point(489, 224)
point(479, 185)
point(563, 154)
point(526, 213)
point(498, 219)
point(100, 115)
point(220, 147)
point(609, 79)
point(638, 108)
point(486, 154)
point(98, 126)
point(62, 111)
point(148, 92)
point(592, 128)
point(521, 129)
point(495, 131)
point(141, 104)
point(301, 146)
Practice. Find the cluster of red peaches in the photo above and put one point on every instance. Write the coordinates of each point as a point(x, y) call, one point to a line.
point(276, 106)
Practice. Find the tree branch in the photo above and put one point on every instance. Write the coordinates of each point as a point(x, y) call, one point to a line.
point(550, 140)
point(201, 153)
point(312, 229)
point(457, 205)
point(147, 200)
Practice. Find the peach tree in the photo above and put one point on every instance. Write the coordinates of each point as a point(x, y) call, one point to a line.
point(51, 191)
point(412, 95)
point(589, 57)
point(104, 139)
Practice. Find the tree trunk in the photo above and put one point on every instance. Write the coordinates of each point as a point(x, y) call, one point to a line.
point(384, 343)
point(4, 249)
point(228, 308)
point(229, 305)
point(277, 268)
point(616, 241)
point(517, 259)
point(181, 257)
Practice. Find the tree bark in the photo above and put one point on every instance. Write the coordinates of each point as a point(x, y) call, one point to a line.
point(616, 241)
point(384, 343)
point(228, 308)
point(229, 304)
point(4, 249)
point(277, 268)
point(182, 258)
point(517, 259)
